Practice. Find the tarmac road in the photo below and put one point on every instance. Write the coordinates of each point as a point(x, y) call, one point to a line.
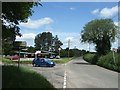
point(81, 74)
point(78, 74)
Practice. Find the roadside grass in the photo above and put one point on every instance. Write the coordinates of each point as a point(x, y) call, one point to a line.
point(62, 60)
point(57, 61)
point(6, 61)
point(13, 77)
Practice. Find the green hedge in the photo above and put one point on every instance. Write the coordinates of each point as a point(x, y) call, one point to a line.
point(89, 57)
point(107, 61)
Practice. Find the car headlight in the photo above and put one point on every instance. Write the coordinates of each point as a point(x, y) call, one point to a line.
point(51, 63)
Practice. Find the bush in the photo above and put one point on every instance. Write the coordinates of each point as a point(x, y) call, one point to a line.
point(91, 58)
point(107, 61)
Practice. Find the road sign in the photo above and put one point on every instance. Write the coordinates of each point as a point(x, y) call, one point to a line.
point(114, 49)
point(37, 52)
point(59, 49)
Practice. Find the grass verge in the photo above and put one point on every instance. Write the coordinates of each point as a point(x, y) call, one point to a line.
point(62, 61)
point(14, 77)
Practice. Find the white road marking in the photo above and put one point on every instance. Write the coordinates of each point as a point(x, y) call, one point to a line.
point(64, 84)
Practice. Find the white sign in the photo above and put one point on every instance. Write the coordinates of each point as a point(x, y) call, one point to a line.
point(114, 49)
point(59, 49)
point(37, 52)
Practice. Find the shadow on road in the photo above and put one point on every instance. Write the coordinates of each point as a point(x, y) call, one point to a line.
point(82, 63)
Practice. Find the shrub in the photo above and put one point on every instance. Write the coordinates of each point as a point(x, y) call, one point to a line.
point(107, 61)
point(89, 57)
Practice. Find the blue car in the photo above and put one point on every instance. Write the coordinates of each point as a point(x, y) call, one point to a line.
point(43, 62)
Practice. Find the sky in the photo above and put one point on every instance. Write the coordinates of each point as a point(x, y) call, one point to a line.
point(67, 19)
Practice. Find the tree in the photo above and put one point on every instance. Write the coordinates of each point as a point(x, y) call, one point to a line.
point(56, 43)
point(100, 32)
point(46, 41)
point(12, 14)
point(31, 49)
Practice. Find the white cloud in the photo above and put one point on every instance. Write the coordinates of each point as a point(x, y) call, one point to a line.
point(34, 24)
point(72, 8)
point(106, 12)
point(95, 11)
point(69, 38)
point(116, 23)
point(28, 37)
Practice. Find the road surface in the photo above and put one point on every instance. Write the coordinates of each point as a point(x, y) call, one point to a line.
point(79, 74)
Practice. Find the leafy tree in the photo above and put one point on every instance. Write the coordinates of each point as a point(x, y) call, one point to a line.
point(43, 41)
point(56, 43)
point(31, 49)
point(100, 32)
point(12, 14)
point(46, 41)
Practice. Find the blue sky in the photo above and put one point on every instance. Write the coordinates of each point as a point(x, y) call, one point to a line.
point(66, 19)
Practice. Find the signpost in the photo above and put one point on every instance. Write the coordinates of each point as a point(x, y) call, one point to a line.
point(59, 49)
point(114, 50)
point(19, 45)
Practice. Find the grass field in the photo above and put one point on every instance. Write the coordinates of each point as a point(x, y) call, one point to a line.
point(13, 77)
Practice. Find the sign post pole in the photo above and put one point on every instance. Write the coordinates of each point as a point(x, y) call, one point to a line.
point(114, 50)
point(59, 50)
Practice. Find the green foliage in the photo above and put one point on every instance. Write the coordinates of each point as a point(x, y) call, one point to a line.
point(100, 32)
point(107, 61)
point(63, 53)
point(91, 58)
point(12, 14)
point(46, 41)
point(31, 49)
point(72, 52)
point(6, 61)
point(12, 77)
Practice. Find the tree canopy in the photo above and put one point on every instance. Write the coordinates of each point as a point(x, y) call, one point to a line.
point(46, 41)
point(12, 14)
point(101, 32)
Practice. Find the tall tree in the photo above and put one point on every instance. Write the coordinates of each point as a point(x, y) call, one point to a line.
point(100, 32)
point(56, 43)
point(43, 41)
point(12, 14)
point(46, 41)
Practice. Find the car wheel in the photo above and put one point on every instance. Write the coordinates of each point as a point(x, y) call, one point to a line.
point(33, 65)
